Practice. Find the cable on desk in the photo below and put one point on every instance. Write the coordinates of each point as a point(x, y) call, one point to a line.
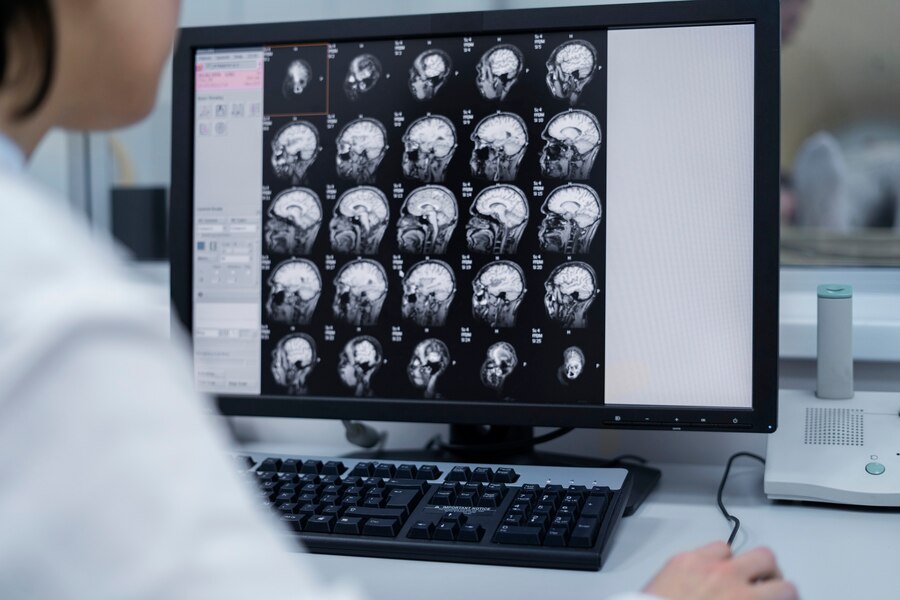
point(734, 520)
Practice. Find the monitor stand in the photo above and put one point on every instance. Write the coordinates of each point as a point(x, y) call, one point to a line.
point(512, 445)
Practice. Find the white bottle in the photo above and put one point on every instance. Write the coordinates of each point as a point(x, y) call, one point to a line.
point(834, 342)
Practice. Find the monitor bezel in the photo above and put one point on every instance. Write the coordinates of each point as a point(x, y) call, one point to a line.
point(764, 14)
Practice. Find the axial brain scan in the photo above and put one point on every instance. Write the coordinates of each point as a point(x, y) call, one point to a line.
point(429, 361)
point(499, 215)
point(361, 145)
point(363, 74)
point(570, 68)
point(429, 144)
point(292, 362)
point(500, 362)
point(428, 291)
point(298, 76)
point(500, 141)
point(573, 365)
point(429, 72)
point(498, 291)
point(293, 222)
point(358, 362)
point(360, 220)
point(427, 220)
point(294, 149)
point(570, 291)
point(498, 70)
point(360, 289)
point(571, 218)
point(294, 290)
point(573, 141)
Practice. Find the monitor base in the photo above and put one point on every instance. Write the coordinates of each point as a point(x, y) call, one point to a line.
point(510, 445)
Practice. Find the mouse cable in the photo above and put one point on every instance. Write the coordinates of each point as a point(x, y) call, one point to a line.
point(731, 518)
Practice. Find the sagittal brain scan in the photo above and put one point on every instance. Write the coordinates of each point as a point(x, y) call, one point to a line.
point(500, 362)
point(364, 72)
point(293, 222)
point(572, 366)
point(298, 76)
point(569, 292)
point(498, 218)
point(570, 68)
point(500, 142)
point(428, 291)
point(498, 291)
point(571, 217)
point(294, 290)
point(360, 290)
point(361, 146)
point(428, 217)
point(498, 70)
point(293, 360)
point(428, 73)
point(358, 362)
point(429, 361)
point(294, 149)
point(428, 147)
point(360, 219)
point(572, 143)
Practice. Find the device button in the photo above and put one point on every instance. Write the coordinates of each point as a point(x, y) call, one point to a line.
point(385, 470)
point(483, 474)
point(529, 536)
point(471, 533)
point(311, 467)
point(293, 521)
point(333, 467)
point(459, 474)
point(290, 465)
point(382, 527)
point(320, 524)
point(506, 475)
point(400, 498)
point(363, 469)
point(585, 533)
point(348, 526)
point(446, 530)
point(421, 530)
point(406, 471)
point(556, 536)
point(594, 507)
point(428, 472)
point(874, 468)
point(270, 465)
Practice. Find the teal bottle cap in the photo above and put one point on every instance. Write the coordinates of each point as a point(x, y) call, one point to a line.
point(835, 291)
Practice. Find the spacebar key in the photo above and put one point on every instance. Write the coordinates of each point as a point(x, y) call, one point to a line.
point(376, 513)
point(511, 534)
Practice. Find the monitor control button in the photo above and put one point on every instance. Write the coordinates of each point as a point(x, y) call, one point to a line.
point(874, 468)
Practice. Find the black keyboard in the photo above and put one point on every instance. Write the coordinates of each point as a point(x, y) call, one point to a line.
point(530, 516)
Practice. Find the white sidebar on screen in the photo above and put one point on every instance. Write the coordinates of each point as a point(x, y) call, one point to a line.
point(679, 211)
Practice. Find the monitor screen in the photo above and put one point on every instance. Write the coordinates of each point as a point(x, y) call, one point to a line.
point(545, 216)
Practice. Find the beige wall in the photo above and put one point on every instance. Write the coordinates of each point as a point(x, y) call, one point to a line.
point(843, 65)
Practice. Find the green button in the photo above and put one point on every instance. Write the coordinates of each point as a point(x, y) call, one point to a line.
point(874, 468)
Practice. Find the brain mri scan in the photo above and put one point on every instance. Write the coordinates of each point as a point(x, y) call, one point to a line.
point(294, 290)
point(293, 222)
point(498, 70)
point(500, 141)
point(428, 291)
point(428, 147)
point(427, 220)
point(364, 72)
point(361, 145)
point(498, 291)
point(293, 360)
point(570, 291)
point(360, 220)
point(429, 72)
point(571, 217)
point(298, 76)
point(498, 218)
point(500, 362)
point(572, 367)
point(570, 68)
point(429, 361)
point(294, 149)
point(360, 289)
point(572, 143)
point(358, 362)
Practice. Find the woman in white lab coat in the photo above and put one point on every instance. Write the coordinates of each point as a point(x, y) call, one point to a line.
point(113, 477)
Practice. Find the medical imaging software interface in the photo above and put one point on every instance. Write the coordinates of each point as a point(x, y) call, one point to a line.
point(527, 218)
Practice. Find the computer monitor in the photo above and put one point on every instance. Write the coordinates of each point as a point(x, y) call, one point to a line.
point(554, 217)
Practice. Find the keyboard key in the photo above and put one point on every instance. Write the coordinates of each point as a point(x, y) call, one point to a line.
point(554, 489)
point(453, 516)
point(350, 500)
point(307, 498)
point(485, 474)
point(374, 502)
point(556, 537)
point(407, 471)
point(447, 531)
point(382, 527)
point(309, 509)
point(519, 508)
point(289, 478)
point(363, 469)
point(333, 467)
point(561, 523)
point(385, 470)
point(320, 524)
point(311, 488)
point(332, 479)
point(329, 499)
point(294, 522)
point(576, 490)
point(594, 507)
point(459, 474)
point(406, 484)
point(537, 521)
point(496, 488)
point(376, 513)
point(532, 488)
point(443, 498)
point(353, 482)
point(400, 498)
point(513, 520)
point(286, 497)
point(490, 500)
point(337, 490)
point(506, 475)
point(348, 526)
point(333, 510)
point(529, 536)
point(544, 509)
point(290, 466)
point(422, 530)
point(311, 467)
point(584, 535)
point(266, 476)
point(470, 533)
point(270, 465)
point(288, 508)
point(428, 472)
point(467, 499)
point(599, 490)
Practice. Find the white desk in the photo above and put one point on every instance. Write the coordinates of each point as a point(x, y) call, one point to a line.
point(828, 552)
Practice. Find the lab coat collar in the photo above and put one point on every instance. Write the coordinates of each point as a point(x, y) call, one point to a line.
point(11, 156)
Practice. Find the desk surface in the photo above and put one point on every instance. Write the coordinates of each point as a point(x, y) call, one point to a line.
point(828, 552)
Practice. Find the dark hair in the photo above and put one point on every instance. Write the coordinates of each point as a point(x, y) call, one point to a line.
point(34, 17)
